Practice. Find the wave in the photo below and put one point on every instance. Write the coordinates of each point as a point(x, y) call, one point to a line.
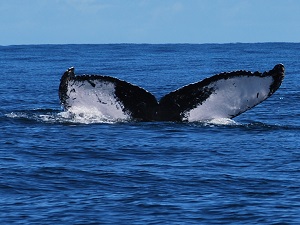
point(80, 116)
point(51, 116)
point(88, 116)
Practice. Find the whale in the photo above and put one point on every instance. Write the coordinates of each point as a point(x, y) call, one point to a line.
point(224, 95)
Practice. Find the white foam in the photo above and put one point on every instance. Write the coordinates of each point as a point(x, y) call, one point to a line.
point(73, 117)
point(231, 97)
point(222, 121)
point(86, 116)
point(14, 115)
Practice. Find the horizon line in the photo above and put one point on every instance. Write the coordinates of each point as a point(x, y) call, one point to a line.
point(145, 43)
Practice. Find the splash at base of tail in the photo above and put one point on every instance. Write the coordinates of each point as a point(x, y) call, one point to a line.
point(224, 95)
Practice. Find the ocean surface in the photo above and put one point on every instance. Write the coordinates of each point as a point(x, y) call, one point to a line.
point(56, 169)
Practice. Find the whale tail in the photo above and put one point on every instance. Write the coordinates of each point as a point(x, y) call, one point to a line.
point(225, 95)
point(113, 98)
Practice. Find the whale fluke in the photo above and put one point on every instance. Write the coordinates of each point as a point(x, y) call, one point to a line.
point(113, 98)
point(225, 95)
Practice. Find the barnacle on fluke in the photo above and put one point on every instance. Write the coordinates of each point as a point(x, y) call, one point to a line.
point(225, 95)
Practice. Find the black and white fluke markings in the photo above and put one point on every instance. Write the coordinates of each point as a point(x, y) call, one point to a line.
point(225, 95)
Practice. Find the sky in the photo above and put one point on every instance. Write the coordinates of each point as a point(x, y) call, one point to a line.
point(148, 21)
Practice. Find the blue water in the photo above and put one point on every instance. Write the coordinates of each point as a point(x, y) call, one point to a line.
point(56, 170)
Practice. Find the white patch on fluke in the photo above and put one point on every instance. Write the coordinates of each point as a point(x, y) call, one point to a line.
point(232, 96)
point(94, 97)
